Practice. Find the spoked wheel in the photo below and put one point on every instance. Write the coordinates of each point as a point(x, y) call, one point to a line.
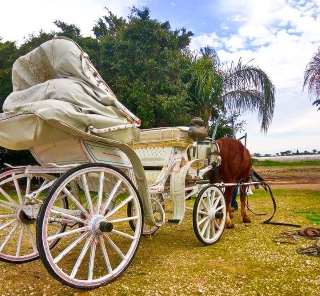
point(157, 203)
point(209, 215)
point(19, 207)
point(98, 244)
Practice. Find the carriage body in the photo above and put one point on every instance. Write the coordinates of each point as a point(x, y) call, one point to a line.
point(83, 209)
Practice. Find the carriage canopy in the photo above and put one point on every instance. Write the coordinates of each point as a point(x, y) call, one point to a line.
point(57, 83)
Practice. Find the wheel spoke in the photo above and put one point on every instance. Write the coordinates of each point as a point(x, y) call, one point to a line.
point(208, 230)
point(8, 206)
point(220, 208)
point(28, 185)
point(111, 196)
point(208, 201)
point(203, 213)
point(87, 193)
point(70, 247)
point(76, 202)
point(213, 198)
point(32, 241)
point(217, 200)
point(20, 240)
point(8, 216)
point(205, 227)
point(10, 234)
point(92, 257)
point(204, 204)
point(81, 256)
point(213, 228)
point(114, 246)
point(65, 215)
point(218, 226)
point(119, 206)
point(7, 196)
point(123, 234)
point(124, 219)
point(18, 190)
point(105, 254)
point(100, 192)
point(202, 220)
point(8, 224)
point(66, 233)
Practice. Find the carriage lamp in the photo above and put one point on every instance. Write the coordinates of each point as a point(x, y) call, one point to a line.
point(197, 131)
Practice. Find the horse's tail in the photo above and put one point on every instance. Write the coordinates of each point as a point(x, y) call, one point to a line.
point(255, 175)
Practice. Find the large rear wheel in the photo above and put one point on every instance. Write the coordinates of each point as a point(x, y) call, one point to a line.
point(98, 244)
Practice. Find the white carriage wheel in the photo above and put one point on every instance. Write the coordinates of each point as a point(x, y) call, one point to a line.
point(157, 204)
point(18, 215)
point(209, 215)
point(98, 244)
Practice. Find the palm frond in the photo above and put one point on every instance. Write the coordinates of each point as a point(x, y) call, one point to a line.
point(312, 76)
point(248, 88)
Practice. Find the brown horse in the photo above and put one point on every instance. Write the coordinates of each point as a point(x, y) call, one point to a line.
point(235, 167)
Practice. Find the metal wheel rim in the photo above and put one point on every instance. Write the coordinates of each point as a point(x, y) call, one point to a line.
point(91, 235)
point(23, 230)
point(209, 215)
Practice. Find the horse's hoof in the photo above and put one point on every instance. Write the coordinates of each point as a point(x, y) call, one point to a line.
point(246, 220)
point(230, 225)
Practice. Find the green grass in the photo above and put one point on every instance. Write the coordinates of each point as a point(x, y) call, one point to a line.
point(272, 163)
point(245, 261)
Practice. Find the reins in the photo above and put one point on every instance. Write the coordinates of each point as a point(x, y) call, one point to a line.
point(267, 188)
point(293, 237)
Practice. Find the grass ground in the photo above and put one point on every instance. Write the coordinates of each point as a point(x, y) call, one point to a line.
point(245, 261)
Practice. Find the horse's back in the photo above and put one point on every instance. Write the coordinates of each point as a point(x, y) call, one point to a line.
point(236, 160)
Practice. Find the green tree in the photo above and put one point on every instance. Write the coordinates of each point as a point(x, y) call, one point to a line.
point(68, 30)
point(8, 54)
point(235, 88)
point(312, 78)
point(144, 64)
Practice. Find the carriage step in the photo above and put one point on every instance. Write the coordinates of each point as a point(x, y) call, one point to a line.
point(174, 221)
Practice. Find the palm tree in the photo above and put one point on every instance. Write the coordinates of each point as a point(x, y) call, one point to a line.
point(235, 88)
point(312, 78)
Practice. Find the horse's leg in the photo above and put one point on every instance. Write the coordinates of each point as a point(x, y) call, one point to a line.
point(228, 196)
point(243, 199)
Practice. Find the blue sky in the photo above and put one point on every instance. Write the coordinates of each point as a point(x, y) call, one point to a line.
point(279, 36)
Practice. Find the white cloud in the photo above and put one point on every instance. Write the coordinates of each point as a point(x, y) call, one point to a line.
point(281, 37)
point(204, 40)
point(27, 17)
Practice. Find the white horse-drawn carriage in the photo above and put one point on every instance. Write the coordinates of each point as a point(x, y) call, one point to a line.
point(101, 183)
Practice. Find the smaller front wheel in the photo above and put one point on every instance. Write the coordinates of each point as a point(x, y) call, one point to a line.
point(209, 215)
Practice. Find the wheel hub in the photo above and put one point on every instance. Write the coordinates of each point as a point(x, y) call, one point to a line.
point(212, 214)
point(24, 218)
point(99, 225)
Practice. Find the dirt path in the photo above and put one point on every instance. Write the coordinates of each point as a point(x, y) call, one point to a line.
point(304, 177)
